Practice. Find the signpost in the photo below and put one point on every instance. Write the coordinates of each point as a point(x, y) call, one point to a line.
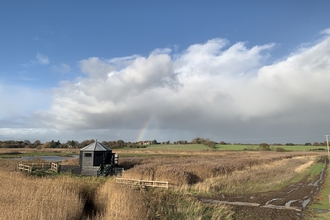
point(327, 138)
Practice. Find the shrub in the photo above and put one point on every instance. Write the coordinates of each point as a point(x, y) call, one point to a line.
point(264, 147)
point(280, 149)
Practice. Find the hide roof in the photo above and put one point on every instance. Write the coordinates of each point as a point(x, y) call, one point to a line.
point(96, 146)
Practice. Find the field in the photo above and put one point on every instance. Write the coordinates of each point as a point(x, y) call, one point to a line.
point(203, 184)
point(232, 147)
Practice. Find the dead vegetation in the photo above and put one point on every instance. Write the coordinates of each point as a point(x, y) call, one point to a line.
point(64, 197)
point(26, 197)
point(183, 170)
point(124, 202)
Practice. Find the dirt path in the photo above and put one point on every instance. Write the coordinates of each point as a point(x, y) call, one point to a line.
point(285, 204)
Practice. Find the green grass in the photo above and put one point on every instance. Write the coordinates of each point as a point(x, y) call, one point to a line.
point(273, 147)
point(322, 200)
point(43, 173)
point(36, 153)
point(172, 147)
point(236, 147)
point(233, 147)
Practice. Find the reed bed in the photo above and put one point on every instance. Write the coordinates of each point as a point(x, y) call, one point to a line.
point(26, 197)
point(71, 162)
point(8, 165)
point(191, 170)
point(64, 196)
point(35, 150)
point(124, 202)
point(29, 197)
point(258, 178)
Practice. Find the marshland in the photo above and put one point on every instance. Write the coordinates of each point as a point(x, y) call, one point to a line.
point(192, 176)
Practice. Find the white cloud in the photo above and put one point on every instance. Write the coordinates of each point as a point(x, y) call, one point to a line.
point(196, 83)
point(62, 68)
point(42, 59)
point(213, 89)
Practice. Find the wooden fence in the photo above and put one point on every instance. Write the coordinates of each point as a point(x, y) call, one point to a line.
point(25, 168)
point(30, 166)
point(55, 166)
point(144, 183)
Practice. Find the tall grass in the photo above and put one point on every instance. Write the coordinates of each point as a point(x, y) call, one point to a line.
point(191, 170)
point(124, 202)
point(30, 197)
point(25, 197)
point(259, 178)
point(64, 196)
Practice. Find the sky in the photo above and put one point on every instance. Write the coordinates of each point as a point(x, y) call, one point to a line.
point(235, 71)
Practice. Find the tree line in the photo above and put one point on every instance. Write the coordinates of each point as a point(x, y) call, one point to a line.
point(121, 143)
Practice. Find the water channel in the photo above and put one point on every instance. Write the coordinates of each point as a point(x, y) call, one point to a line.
point(48, 158)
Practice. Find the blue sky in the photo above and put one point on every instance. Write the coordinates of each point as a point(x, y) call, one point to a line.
point(237, 71)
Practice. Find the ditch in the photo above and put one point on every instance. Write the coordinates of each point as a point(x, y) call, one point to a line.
point(285, 204)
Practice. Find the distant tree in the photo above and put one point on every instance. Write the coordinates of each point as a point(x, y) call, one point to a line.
point(289, 144)
point(316, 144)
point(120, 144)
point(72, 143)
point(46, 145)
point(264, 147)
point(37, 143)
point(154, 142)
point(27, 142)
point(308, 144)
point(280, 149)
point(197, 140)
point(209, 143)
point(54, 144)
point(105, 143)
point(222, 143)
point(85, 143)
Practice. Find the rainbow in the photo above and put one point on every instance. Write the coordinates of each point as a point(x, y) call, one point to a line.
point(144, 129)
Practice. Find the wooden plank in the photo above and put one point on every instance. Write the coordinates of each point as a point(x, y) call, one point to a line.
point(148, 183)
point(23, 167)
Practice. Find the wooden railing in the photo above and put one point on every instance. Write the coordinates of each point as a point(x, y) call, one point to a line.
point(25, 168)
point(146, 183)
point(30, 166)
point(55, 166)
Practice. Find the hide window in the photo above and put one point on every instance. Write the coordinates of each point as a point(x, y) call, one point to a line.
point(88, 154)
point(99, 155)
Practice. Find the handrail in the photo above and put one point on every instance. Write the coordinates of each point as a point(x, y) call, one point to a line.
point(149, 183)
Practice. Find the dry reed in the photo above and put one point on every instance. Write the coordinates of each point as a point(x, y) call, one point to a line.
point(124, 202)
point(190, 170)
point(26, 197)
point(255, 179)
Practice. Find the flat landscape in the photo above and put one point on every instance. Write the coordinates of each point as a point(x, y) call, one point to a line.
point(203, 184)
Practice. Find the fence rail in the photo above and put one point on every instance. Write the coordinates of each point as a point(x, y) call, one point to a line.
point(147, 183)
point(23, 167)
point(30, 166)
point(55, 166)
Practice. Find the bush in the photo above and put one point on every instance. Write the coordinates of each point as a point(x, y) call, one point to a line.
point(280, 149)
point(264, 147)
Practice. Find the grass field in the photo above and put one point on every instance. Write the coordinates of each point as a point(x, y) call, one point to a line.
point(233, 147)
point(254, 147)
point(27, 152)
point(190, 172)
